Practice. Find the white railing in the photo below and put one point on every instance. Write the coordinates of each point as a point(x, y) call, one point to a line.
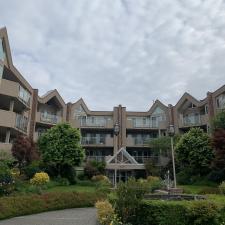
point(93, 140)
point(90, 122)
point(21, 122)
point(50, 118)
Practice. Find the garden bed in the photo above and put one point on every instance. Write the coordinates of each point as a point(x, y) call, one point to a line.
point(30, 204)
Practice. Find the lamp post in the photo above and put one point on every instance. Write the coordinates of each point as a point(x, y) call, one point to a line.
point(116, 133)
point(171, 132)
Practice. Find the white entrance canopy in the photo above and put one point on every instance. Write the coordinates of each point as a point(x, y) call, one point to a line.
point(122, 160)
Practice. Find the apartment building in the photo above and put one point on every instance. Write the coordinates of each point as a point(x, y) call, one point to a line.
point(119, 137)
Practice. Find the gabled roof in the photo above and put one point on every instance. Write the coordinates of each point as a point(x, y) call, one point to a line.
point(4, 36)
point(122, 157)
point(89, 112)
point(156, 104)
point(187, 97)
point(219, 91)
point(51, 94)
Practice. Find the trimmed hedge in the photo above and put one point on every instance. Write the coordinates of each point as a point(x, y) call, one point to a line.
point(179, 213)
point(30, 204)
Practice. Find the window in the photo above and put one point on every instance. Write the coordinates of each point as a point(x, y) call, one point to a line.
point(206, 109)
point(2, 53)
point(220, 101)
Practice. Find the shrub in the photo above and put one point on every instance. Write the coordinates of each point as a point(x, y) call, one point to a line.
point(69, 173)
point(222, 187)
point(128, 199)
point(93, 168)
point(98, 178)
point(30, 204)
point(105, 212)
point(6, 180)
point(154, 183)
point(177, 213)
point(40, 179)
point(62, 181)
point(209, 190)
point(31, 169)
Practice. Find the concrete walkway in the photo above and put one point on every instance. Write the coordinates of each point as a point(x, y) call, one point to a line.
point(81, 216)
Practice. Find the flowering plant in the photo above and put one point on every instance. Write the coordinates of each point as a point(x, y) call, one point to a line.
point(40, 179)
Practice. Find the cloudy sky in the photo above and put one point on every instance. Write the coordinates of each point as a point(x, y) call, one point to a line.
point(112, 52)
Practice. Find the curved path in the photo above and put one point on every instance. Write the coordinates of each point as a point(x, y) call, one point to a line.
point(81, 216)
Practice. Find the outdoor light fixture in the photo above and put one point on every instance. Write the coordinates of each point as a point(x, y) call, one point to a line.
point(116, 132)
point(116, 129)
point(171, 132)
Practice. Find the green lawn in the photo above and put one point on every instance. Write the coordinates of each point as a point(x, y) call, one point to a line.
point(192, 189)
point(71, 188)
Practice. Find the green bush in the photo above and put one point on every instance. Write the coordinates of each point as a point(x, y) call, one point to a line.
point(222, 188)
point(178, 213)
point(128, 198)
point(29, 204)
point(209, 190)
point(32, 169)
point(6, 180)
point(93, 168)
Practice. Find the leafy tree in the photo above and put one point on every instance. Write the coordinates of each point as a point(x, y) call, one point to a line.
point(218, 165)
point(194, 151)
point(219, 121)
point(24, 150)
point(60, 146)
point(93, 168)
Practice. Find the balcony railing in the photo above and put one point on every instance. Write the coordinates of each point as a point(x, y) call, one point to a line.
point(138, 141)
point(21, 122)
point(24, 95)
point(93, 141)
point(91, 123)
point(145, 125)
point(49, 118)
point(96, 158)
point(144, 159)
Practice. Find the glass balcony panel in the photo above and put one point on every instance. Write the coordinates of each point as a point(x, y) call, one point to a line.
point(93, 122)
point(21, 122)
point(24, 95)
point(49, 118)
point(93, 140)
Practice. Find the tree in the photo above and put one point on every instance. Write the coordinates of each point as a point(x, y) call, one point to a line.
point(218, 143)
point(219, 121)
point(24, 150)
point(60, 146)
point(194, 151)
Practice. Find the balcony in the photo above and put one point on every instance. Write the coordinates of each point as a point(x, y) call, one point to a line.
point(148, 125)
point(96, 158)
point(193, 120)
point(48, 118)
point(132, 142)
point(12, 120)
point(100, 123)
point(21, 122)
point(144, 159)
point(99, 141)
point(13, 89)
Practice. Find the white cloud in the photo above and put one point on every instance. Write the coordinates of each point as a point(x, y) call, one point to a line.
point(118, 52)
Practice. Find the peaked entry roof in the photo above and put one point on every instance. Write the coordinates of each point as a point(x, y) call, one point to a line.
point(122, 157)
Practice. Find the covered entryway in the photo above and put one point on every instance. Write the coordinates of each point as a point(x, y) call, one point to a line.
point(121, 166)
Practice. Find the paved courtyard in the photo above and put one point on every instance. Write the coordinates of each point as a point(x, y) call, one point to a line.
point(81, 216)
